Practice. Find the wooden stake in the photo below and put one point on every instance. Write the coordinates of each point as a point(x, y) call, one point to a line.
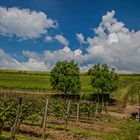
point(44, 119)
point(14, 128)
point(67, 114)
point(77, 117)
point(102, 103)
point(97, 106)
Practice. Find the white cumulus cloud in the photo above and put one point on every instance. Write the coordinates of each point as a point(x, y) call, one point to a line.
point(34, 65)
point(66, 49)
point(24, 23)
point(48, 39)
point(78, 52)
point(115, 45)
point(61, 39)
point(80, 38)
point(112, 38)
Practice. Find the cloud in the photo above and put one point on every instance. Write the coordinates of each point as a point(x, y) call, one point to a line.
point(85, 68)
point(61, 39)
point(80, 38)
point(39, 61)
point(113, 43)
point(34, 65)
point(48, 39)
point(49, 58)
point(78, 52)
point(24, 23)
point(7, 62)
point(66, 49)
point(112, 38)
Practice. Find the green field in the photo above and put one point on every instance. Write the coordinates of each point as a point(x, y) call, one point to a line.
point(33, 81)
point(129, 84)
point(20, 80)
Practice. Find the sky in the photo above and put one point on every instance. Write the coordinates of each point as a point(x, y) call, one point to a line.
point(35, 34)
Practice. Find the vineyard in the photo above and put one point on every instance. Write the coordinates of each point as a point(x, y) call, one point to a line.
point(28, 109)
point(40, 117)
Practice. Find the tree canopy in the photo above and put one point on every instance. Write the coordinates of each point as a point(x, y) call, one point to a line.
point(103, 79)
point(65, 77)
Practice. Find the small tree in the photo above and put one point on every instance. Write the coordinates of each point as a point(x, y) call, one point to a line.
point(103, 79)
point(65, 77)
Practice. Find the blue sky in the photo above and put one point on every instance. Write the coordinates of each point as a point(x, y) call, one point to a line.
point(21, 46)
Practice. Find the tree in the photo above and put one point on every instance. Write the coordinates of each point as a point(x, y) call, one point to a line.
point(65, 77)
point(103, 80)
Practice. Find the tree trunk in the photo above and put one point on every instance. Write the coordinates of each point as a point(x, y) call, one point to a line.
point(19, 123)
point(41, 125)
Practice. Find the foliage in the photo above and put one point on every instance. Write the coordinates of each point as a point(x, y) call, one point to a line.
point(65, 77)
point(31, 108)
point(103, 79)
point(57, 108)
point(7, 110)
point(87, 109)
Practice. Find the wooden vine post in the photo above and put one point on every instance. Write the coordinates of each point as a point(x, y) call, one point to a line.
point(44, 119)
point(67, 115)
point(1, 124)
point(97, 106)
point(77, 114)
point(102, 103)
point(14, 128)
point(139, 102)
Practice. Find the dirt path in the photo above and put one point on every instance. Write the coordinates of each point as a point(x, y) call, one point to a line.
point(57, 134)
point(120, 115)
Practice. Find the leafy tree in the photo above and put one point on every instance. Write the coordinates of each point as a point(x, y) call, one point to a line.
point(103, 79)
point(65, 77)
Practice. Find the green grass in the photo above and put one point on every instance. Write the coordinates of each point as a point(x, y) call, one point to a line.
point(6, 136)
point(130, 132)
point(24, 81)
point(129, 89)
point(129, 84)
point(125, 129)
